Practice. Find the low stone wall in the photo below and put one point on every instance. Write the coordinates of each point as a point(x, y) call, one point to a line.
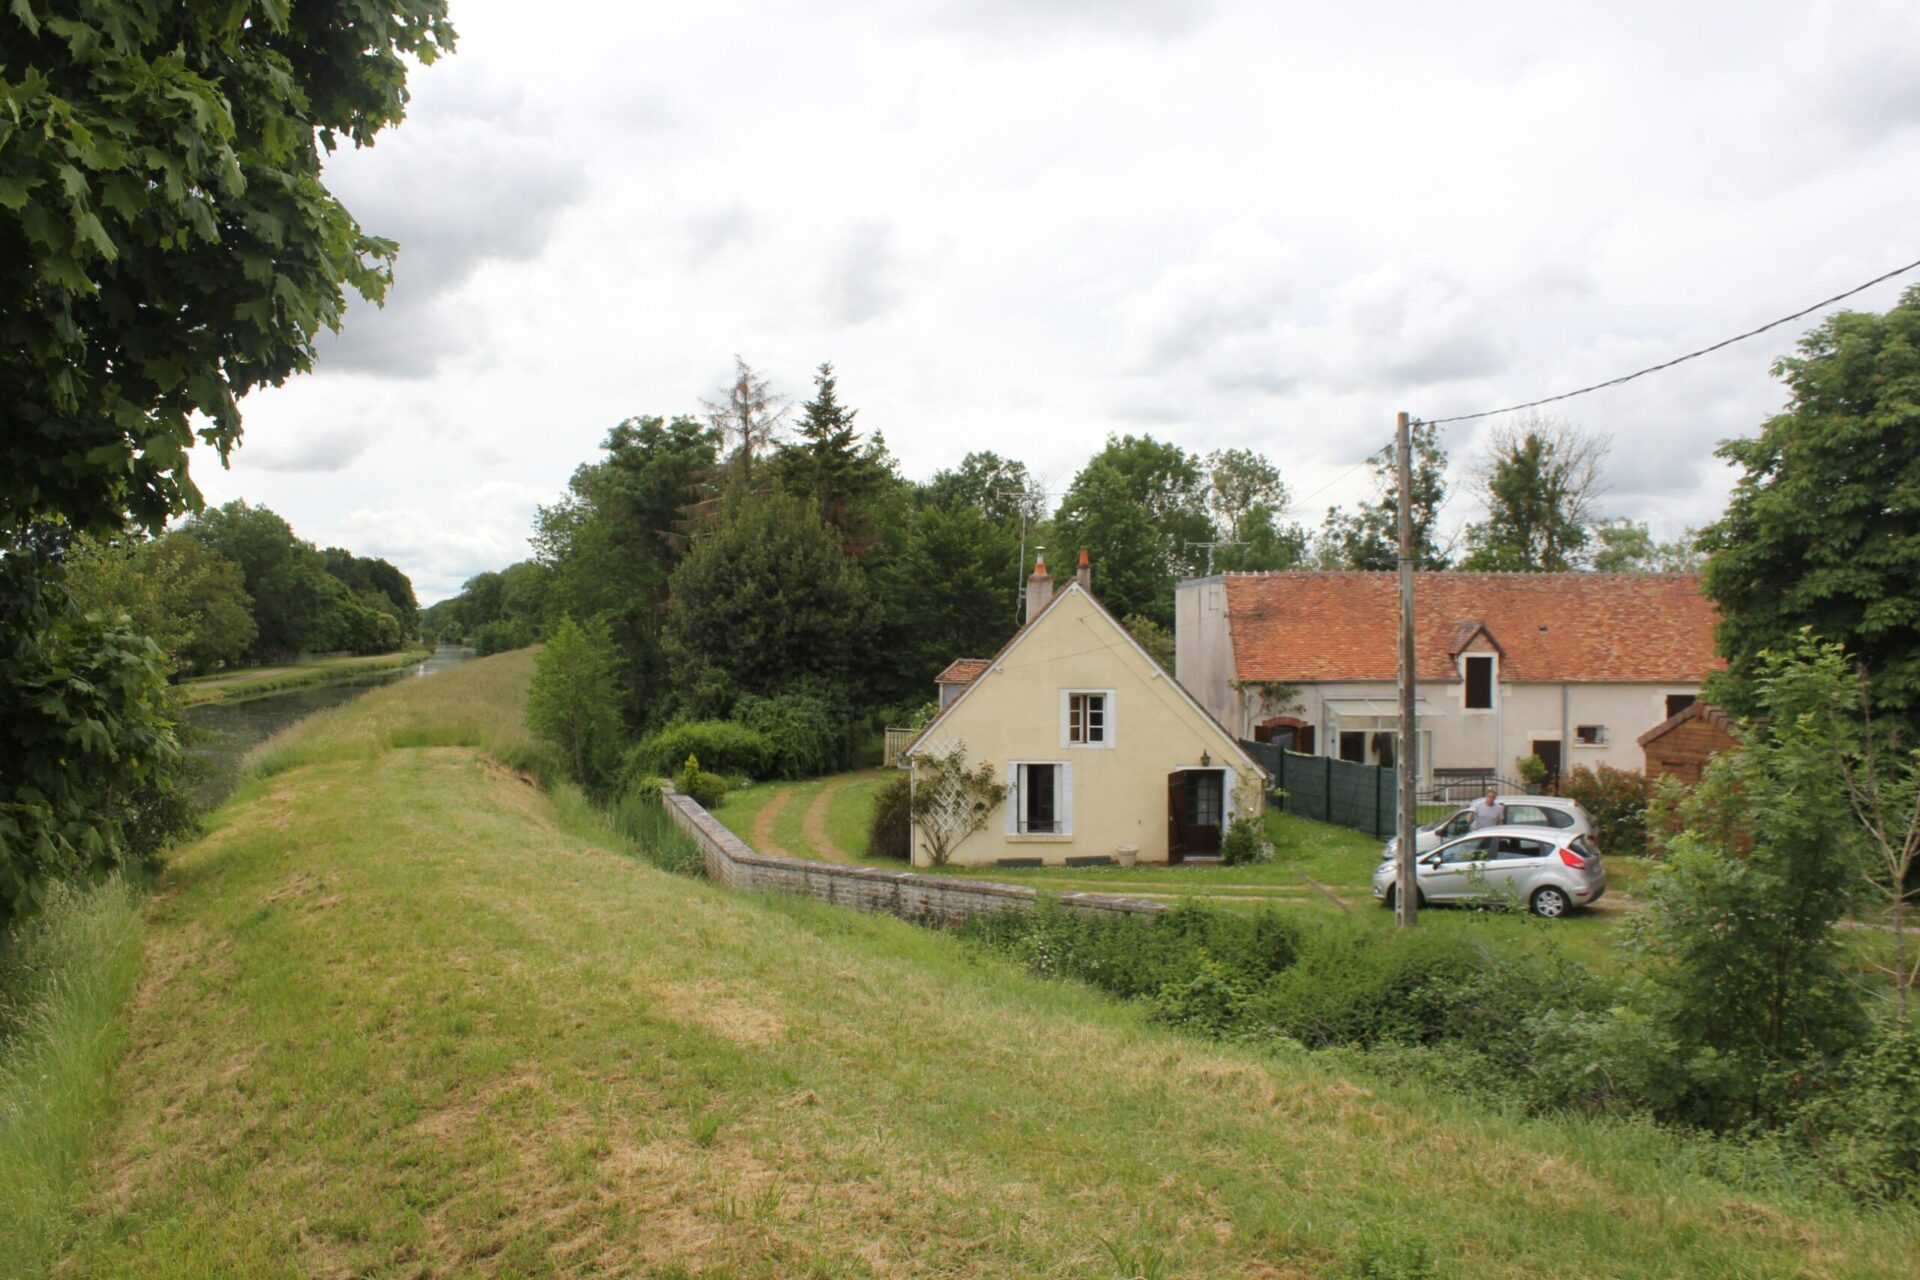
point(907, 894)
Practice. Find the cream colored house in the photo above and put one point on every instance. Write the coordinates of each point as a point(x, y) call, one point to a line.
point(1101, 750)
point(1569, 667)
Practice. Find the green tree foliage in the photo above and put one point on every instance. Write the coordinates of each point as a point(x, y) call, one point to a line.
point(376, 584)
point(1739, 925)
point(611, 544)
point(1000, 488)
point(573, 700)
point(88, 751)
point(298, 606)
point(189, 600)
point(1368, 537)
point(1151, 636)
point(1137, 506)
point(1539, 481)
point(951, 594)
point(1247, 499)
point(764, 604)
point(1627, 546)
point(827, 462)
point(1823, 527)
point(166, 244)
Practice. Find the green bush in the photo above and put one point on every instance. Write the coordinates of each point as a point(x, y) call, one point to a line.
point(1246, 841)
point(642, 819)
point(806, 733)
point(709, 790)
point(502, 635)
point(723, 746)
point(1864, 1130)
point(1617, 799)
point(890, 833)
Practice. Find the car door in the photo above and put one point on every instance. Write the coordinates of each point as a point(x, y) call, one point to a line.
point(1512, 866)
point(1452, 871)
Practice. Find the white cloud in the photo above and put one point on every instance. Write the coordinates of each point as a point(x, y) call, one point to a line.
point(1020, 227)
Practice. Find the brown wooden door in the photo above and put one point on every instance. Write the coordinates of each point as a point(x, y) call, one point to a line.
point(1206, 801)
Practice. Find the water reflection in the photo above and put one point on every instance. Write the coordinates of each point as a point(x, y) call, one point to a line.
point(223, 732)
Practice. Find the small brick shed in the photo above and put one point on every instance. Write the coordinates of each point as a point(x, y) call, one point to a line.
point(1680, 746)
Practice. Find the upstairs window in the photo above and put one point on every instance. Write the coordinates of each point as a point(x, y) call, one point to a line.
point(1591, 735)
point(1086, 718)
point(1479, 683)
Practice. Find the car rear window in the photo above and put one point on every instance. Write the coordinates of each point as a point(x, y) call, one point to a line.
point(1584, 847)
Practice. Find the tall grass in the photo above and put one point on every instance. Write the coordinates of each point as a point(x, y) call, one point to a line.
point(64, 976)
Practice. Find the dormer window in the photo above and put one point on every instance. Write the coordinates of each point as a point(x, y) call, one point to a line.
point(1479, 674)
point(1086, 718)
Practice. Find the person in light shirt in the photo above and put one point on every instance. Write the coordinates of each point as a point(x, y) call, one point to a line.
point(1487, 811)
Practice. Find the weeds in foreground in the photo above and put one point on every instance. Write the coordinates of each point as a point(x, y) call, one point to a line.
point(64, 976)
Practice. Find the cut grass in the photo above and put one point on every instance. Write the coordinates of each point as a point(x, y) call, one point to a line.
point(257, 682)
point(403, 1016)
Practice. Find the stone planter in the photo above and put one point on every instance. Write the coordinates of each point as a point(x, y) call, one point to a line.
point(1126, 855)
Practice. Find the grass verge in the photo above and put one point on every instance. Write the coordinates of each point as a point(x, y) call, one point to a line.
point(64, 979)
point(258, 682)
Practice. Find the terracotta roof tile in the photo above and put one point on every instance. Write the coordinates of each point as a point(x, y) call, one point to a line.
point(1604, 627)
point(963, 671)
point(1692, 711)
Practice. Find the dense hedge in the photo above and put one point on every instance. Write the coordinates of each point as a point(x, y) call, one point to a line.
point(721, 745)
point(1617, 799)
point(890, 833)
point(806, 733)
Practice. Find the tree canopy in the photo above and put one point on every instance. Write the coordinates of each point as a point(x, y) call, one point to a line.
point(1823, 526)
point(1368, 537)
point(166, 242)
point(1540, 480)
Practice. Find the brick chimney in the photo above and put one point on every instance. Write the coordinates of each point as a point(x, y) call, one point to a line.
point(1039, 585)
point(1084, 574)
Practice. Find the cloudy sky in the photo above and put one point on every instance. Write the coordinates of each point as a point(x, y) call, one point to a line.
point(1020, 225)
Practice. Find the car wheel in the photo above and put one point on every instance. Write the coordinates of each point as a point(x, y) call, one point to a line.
point(1393, 896)
point(1549, 903)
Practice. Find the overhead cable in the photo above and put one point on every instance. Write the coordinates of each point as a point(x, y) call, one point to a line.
point(1691, 355)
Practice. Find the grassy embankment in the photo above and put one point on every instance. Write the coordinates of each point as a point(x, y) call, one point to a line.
point(1317, 868)
point(403, 1014)
point(255, 682)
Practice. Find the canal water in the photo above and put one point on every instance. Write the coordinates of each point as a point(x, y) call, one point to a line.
point(223, 732)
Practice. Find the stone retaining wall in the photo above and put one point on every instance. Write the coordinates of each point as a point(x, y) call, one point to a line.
point(907, 894)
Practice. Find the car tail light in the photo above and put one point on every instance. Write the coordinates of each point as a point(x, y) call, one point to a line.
point(1573, 860)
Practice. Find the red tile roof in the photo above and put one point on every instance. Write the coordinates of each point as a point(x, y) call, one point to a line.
point(963, 671)
point(1602, 627)
point(1693, 711)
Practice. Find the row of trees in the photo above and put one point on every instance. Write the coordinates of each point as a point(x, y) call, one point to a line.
point(235, 584)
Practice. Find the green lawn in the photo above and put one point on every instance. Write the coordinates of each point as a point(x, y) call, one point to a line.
point(402, 1014)
point(1317, 868)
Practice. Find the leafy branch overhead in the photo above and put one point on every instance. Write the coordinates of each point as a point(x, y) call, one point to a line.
point(166, 242)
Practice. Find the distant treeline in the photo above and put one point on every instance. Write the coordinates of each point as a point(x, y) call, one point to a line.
point(235, 585)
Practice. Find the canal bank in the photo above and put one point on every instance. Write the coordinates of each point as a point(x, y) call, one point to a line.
point(220, 733)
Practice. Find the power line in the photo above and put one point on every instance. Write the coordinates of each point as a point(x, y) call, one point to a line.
point(1691, 355)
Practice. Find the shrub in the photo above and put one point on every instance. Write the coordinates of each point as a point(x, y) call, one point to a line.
point(572, 699)
point(1865, 1129)
point(1245, 841)
point(724, 746)
point(642, 819)
point(806, 734)
point(709, 790)
point(1617, 799)
point(890, 834)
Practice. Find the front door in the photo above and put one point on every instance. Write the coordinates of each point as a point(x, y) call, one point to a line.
point(1548, 749)
point(1196, 810)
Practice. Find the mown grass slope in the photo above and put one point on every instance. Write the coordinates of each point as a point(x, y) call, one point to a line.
point(404, 1015)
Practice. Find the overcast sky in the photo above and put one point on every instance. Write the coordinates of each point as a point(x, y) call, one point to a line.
point(1021, 225)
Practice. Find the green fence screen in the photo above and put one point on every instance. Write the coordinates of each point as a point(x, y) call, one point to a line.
point(1361, 796)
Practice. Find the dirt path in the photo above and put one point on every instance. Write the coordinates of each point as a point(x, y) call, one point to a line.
point(814, 823)
point(763, 841)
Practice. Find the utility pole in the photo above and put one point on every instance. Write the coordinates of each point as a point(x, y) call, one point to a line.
point(1406, 898)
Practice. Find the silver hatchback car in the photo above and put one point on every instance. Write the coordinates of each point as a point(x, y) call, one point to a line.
point(1566, 817)
point(1552, 872)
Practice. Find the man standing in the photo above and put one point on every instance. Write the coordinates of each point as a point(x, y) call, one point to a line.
point(1487, 811)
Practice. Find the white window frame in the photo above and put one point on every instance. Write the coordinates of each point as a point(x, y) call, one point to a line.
point(1493, 685)
point(1107, 720)
point(1062, 800)
point(1604, 738)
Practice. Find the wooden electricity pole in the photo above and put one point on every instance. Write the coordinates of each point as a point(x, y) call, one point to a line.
point(1406, 898)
